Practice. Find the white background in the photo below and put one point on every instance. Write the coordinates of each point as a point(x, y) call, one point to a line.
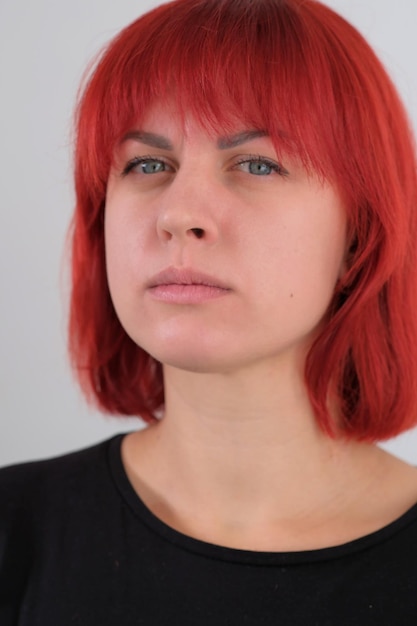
point(44, 49)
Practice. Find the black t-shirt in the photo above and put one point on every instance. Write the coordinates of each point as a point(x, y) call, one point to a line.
point(79, 548)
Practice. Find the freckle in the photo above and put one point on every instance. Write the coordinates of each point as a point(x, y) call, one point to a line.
point(291, 295)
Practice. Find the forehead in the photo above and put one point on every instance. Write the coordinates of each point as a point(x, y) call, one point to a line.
point(168, 119)
point(164, 126)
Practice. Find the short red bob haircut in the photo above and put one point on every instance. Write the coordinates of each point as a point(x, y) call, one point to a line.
point(291, 65)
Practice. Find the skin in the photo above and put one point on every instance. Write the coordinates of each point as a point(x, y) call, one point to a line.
point(237, 459)
point(276, 241)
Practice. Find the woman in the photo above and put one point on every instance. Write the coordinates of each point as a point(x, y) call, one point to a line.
point(244, 279)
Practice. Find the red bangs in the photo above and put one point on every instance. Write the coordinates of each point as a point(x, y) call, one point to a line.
point(225, 62)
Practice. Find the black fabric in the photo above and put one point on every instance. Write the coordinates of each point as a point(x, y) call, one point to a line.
point(78, 547)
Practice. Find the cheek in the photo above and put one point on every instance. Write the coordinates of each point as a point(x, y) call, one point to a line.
point(122, 245)
point(325, 234)
point(306, 254)
point(126, 229)
point(115, 248)
point(334, 243)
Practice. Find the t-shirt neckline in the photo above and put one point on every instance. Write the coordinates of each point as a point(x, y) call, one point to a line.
point(235, 555)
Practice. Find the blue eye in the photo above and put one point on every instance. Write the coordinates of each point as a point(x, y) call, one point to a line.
point(260, 166)
point(145, 165)
point(152, 166)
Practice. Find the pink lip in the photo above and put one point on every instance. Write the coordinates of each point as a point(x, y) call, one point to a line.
point(185, 286)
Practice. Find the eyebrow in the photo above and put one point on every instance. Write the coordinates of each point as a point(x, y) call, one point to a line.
point(162, 143)
point(150, 139)
point(231, 141)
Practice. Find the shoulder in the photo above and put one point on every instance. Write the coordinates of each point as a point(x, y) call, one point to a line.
point(37, 491)
point(40, 501)
point(26, 480)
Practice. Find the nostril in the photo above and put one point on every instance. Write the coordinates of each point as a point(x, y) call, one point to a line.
point(198, 232)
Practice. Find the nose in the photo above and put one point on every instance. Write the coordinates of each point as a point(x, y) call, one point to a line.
point(188, 212)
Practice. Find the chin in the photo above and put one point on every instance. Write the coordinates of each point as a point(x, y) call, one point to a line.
point(190, 361)
point(192, 356)
point(193, 349)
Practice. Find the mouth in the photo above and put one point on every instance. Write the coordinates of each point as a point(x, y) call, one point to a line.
point(185, 286)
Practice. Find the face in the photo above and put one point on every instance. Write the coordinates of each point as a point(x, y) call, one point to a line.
point(219, 256)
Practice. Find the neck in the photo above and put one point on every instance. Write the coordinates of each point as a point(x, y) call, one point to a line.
point(244, 450)
point(238, 411)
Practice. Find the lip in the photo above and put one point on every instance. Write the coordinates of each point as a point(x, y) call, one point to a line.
point(185, 286)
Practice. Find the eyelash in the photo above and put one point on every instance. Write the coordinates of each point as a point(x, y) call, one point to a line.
point(138, 160)
point(276, 167)
point(257, 158)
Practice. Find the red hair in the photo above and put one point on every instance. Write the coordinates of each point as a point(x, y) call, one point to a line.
point(297, 70)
